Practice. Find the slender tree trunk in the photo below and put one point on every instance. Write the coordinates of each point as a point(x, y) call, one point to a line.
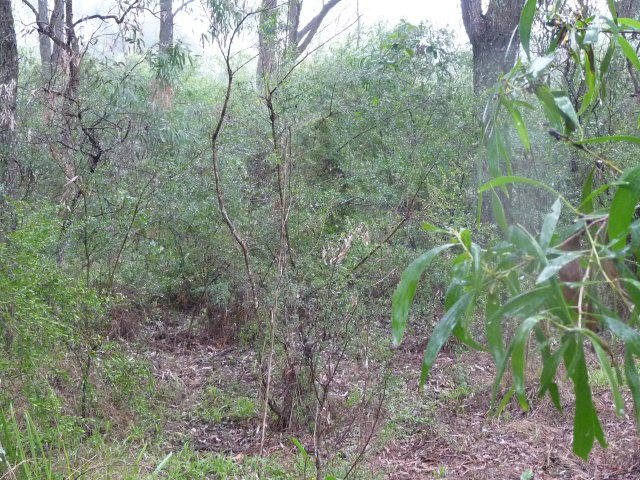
point(267, 39)
point(44, 42)
point(628, 8)
point(293, 24)
point(8, 97)
point(69, 116)
point(163, 93)
point(165, 40)
point(57, 27)
point(495, 41)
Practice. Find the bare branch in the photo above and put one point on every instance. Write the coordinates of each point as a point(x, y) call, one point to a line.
point(185, 3)
point(104, 18)
point(46, 29)
point(311, 28)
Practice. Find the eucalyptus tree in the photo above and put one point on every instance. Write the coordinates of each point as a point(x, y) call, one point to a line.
point(50, 58)
point(572, 281)
point(494, 38)
point(8, 95)
point(63, 103)
point(286, 41)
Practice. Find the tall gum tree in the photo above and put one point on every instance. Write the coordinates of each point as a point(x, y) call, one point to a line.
point(65, 105)
point(8, 95)
point(271, 51)
point(494, 38)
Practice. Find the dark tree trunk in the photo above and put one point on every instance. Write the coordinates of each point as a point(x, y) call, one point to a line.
point(165, 40)
point(494, 38)
point(495, 42)
point(8, 96)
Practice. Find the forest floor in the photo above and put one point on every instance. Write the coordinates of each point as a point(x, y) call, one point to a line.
point(447, 432)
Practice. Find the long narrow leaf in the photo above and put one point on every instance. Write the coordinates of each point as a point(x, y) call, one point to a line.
point(605, 364)
point(609, 138)
point(623, 206)
point(518, 358)
point(586, 424)
point(631, 373)
point(629, 51)
point(493, 328)
point(549, 224)
point(551, 362)
point(498, 211)
point(441, 334)
point(629, 336)
point(526, 22)
point(556, 265)
point(406, 291)
point(564, 104)
point(505, 180)
point(586, 205)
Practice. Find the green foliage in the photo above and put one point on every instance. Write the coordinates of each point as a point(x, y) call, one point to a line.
point(40, 307)
point(522, 276)
point(218, 406)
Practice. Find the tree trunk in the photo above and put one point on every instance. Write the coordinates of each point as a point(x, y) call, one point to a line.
point(71, 190)
point(297, 39)
point(44, 42)
point(267, 40)
point(630, 9)
point(57, 27)
point(165, 40)
point(494, 38)
point(8, 97)
point(495, 41)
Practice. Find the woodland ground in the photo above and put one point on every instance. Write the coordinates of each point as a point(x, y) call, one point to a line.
point(448, 432)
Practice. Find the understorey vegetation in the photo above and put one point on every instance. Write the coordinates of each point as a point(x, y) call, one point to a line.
point(360, 254)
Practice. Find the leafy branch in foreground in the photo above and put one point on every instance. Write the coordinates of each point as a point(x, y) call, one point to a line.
point(573, 284)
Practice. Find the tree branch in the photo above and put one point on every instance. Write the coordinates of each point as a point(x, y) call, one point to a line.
point(185, 3)
point(104, 18)
point(311, 28)
point(472, 17)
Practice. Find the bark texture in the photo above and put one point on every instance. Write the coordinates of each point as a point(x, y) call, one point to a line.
point(44, 42)
point(165, 39)
point(8, 96)
point(493, 36)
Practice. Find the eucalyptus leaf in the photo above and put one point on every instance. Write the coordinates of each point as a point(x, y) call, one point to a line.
point(629, 51)
point(554, 266)
point(623, 206)
point(441, 334)
point(526, 22)
point(406, 290)
point(549, 224)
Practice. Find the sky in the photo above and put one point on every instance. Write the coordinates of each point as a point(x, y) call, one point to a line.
point(441, 13)
point(190, 26)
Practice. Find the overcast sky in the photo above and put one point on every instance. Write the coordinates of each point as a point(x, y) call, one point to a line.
point(438, 12)
point(190, 26)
